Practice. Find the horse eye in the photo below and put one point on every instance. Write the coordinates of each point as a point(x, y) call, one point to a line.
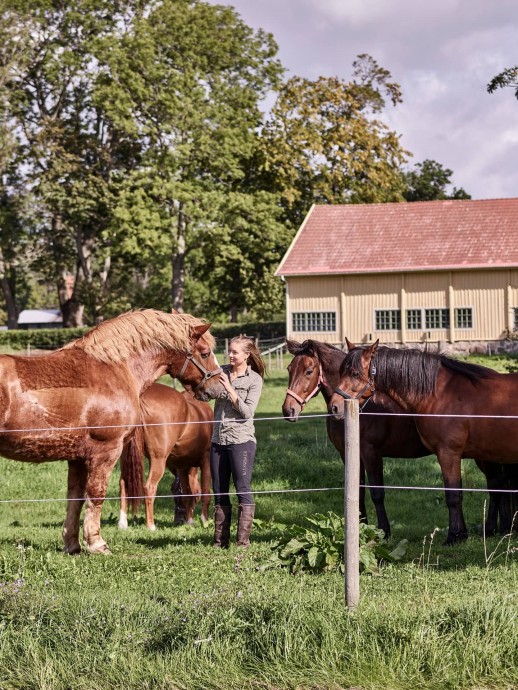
point(309, 372)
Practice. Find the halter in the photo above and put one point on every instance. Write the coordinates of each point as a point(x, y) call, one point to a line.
point(316, 389)
point(189, 357)
point(369, 384)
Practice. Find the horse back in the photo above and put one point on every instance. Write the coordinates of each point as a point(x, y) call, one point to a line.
point(175, 427)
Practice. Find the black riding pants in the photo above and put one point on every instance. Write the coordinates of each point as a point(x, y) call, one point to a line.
point(236, 461)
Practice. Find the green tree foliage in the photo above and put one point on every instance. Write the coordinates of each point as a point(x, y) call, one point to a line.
point(188, 81)
point(325, 141)
point(429, 181)
point(506, 79)
point(65, 146)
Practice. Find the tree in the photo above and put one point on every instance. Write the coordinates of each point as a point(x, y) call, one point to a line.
point(187, 80)
point(506, 79)
point(65, 146)
point(428, 181)
point(324, 143)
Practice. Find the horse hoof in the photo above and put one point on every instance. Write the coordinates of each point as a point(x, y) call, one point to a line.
point(100, 547)
point(455, 538)
point(151, 528)
point(73, 549)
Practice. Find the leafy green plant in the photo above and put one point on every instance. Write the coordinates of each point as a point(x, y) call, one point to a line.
point(320, 548)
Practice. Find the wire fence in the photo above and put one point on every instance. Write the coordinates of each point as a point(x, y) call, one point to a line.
point(259, 419)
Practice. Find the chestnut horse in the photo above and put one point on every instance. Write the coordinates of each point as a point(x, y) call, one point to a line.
point(477, 404)
point(81, 403)
point(177, 431)
point(315, 369)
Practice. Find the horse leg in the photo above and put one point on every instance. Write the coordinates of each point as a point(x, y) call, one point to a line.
point(373, 461)
point(123, 511)
point(99, 469)
point(499, 503)
point(76, 484)
point(194, 491)
point(179, 503)
point(363, 507)
point(449, 461)
point(187, 483)
point(156, 472)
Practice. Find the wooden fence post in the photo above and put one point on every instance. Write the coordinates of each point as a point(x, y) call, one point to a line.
point(352, 502)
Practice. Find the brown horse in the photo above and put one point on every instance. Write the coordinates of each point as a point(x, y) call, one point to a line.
point(315, 369)
point(177, 431)
point(82, 402)
point(473, 405)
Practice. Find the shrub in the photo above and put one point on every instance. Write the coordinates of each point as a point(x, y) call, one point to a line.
point(320, 548)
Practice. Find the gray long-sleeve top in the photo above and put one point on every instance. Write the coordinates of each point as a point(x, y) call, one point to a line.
point(235, 424)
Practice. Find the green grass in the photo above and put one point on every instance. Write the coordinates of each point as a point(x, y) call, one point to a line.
point(167, 611)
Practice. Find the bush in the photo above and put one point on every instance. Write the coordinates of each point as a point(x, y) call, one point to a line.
point(52, 338)
point(320, 548)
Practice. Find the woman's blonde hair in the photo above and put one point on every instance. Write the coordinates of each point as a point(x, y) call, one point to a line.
point(254, 356)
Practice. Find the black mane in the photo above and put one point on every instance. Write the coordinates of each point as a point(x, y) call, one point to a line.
point(411, 372)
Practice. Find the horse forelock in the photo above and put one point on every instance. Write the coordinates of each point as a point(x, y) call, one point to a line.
point(135, 332)
point(324, 352)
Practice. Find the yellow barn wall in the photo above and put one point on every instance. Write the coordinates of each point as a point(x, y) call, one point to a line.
point(319, 293)
point(493, 296)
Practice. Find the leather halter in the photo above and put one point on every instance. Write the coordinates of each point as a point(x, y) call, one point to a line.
point(189, 357)
point(316, 389)
point(369, 384)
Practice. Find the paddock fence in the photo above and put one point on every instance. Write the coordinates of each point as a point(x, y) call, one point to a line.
point(349, 488)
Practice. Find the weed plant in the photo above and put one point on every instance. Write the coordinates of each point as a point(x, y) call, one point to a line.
point(167, 611)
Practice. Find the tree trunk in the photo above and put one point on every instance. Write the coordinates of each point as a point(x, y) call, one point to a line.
point(8, 292)
point(178, 264)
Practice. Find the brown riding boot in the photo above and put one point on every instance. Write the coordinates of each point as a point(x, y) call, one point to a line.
point(222, 518)
point(245, 519)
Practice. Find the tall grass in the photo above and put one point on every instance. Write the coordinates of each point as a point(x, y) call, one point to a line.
point(166, 610)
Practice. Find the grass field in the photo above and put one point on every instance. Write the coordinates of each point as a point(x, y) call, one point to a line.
point(166, 611)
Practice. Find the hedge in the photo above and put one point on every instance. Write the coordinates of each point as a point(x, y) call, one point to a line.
point(52, 338)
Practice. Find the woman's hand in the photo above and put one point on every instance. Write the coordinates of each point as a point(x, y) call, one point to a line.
point(225, 381)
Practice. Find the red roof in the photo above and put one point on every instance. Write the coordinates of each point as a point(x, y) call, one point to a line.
point(417, 236)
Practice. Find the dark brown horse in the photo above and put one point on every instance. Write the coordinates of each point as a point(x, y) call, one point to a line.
point(475, 402)
point(315, 369)
point(81, 403)
point(177, 431)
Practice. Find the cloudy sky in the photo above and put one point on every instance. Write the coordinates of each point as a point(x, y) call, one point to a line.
point(442, 53)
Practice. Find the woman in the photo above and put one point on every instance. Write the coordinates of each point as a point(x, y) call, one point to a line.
point(233, 440)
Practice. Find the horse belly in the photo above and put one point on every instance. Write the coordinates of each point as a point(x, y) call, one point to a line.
point(493, 440)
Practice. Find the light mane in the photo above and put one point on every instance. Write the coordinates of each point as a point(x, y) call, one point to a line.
point(135, 332)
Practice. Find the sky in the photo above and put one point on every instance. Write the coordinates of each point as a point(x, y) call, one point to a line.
point(443, 53)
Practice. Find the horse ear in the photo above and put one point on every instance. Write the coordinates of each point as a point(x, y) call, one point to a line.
point(291, 345)
point(198, 331)
point(174, 311)
point(374, 347)
point(350, 346)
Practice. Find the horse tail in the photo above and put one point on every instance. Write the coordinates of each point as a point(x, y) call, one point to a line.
point(132, 461)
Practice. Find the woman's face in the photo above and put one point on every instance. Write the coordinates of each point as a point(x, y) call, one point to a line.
point(237, 354)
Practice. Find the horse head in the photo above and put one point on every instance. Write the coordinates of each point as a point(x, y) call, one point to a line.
point(357, 373)
point(198, 369)
point(305, 378)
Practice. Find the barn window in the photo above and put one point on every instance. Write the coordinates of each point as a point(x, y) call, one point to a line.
point(464, 317)
point(414, 319)
point(314, 321)
point(387, 319)
point(515, 327)
point(437, 318)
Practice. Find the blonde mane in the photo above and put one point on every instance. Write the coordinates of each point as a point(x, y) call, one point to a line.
point(135, 332)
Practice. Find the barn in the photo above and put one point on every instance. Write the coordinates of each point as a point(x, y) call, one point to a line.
point(441, 272)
